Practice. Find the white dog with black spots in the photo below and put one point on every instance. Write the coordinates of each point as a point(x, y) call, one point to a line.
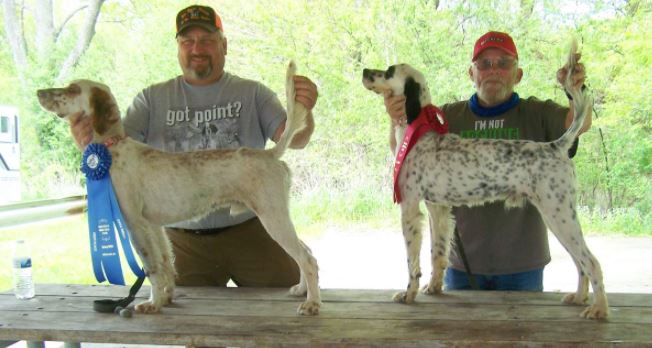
point(446, 171)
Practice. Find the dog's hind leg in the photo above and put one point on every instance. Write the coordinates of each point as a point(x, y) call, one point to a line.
point(441, 226)
point(301, 289)
point(276, 219)
point(565, 226)
point(411, 221)
point(581, 295)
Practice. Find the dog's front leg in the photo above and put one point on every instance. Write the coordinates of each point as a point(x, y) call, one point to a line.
point(441, 227)
point(411, 220)
point(155, 252)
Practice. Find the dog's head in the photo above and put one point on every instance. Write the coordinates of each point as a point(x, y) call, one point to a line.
point(82, 98)
point(401, 79)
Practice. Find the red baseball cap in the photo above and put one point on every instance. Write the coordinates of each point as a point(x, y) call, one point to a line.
point(494, 39)
point(201, 16)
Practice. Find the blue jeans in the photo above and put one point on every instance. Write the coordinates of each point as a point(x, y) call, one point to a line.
point(524, 281)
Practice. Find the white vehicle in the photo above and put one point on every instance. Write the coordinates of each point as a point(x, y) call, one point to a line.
point(9, 155)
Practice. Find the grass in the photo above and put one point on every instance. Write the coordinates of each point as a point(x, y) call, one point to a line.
point(627, 221)
point(60, 252)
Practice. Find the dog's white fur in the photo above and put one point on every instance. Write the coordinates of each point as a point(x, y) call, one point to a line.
point(152, 191)
point(539, 172)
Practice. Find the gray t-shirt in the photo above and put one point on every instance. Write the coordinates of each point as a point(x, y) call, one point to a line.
point(497, 240)
point(175, 116)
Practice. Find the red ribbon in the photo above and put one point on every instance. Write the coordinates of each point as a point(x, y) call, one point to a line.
point(431, 118)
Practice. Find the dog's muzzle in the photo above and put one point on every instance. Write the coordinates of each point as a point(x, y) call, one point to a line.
point(369, 77)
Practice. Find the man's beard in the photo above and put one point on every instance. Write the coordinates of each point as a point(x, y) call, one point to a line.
point(202, 74)
point(495, 96)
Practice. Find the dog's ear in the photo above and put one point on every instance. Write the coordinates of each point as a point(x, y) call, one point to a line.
point(412, 92)
point(104, 115)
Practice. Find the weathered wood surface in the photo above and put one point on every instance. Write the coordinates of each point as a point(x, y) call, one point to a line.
point(248, 317)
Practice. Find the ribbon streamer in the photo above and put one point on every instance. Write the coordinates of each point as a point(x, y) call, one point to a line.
point(105, 218)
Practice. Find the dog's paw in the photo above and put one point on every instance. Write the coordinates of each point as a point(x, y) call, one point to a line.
point(298, 290)
point(573, 299)
point(147, 307)
point(309, 308)
point(403, 297)
point(432, 289)
point(595, 312)
point(168, 295)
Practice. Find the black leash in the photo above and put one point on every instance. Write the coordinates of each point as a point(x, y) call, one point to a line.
point(109, 305)
point(460, 249)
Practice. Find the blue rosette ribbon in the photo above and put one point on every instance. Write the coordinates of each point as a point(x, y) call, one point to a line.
point(105, 218)
point(96, 161)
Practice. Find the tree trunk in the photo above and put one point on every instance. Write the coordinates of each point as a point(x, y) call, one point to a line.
point(15, 37)
point(44, 28)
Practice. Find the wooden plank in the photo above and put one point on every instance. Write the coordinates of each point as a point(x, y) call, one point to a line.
point(249, 317)
point(354, 310)
point(238, 330)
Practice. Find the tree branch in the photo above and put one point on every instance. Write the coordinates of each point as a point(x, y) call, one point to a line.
point(87, 31)
point(58, 31)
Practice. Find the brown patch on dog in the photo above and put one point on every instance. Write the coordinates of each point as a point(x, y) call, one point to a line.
point(103, 110)
point(72, 90)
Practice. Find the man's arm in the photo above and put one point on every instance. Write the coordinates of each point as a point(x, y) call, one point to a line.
point(136, 119)
point(392, 137)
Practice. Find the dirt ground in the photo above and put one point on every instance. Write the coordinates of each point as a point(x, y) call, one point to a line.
point(377, 260)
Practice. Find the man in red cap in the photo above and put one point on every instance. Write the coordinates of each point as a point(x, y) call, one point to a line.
point(207, 108)
point(506, 249)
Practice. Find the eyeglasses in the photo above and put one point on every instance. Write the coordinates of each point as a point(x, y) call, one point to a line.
point(202, 41)
point(502, 64)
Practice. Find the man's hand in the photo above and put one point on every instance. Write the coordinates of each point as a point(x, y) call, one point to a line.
point(395, 107)
point(306, 91)
point(578, 75)
point(81, 130)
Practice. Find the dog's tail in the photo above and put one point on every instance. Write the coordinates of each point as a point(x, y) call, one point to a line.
point(581, 100)
point(297, 114)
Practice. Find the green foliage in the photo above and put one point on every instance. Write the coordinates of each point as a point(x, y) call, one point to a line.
point(345, 172)
point(617, 154)
point(52, 262)
point(629, 221)
point(60, 252)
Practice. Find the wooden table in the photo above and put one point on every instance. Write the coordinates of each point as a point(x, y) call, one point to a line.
point(247, 317)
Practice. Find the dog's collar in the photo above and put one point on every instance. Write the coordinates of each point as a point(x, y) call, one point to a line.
point(114, 140)
point(431, 118)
